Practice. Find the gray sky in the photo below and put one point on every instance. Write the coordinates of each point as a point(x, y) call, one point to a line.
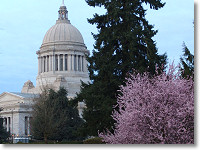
point(23, 24)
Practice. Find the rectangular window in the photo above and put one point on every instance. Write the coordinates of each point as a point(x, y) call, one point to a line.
point(56, 63)
point(9, 122)
point(30, 130)
point(61, 62)
point(47, 63)
point(26, 125)
point(82, 64)
point(79, 64)
point(66, 62)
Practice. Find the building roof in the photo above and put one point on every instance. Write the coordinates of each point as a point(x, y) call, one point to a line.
point(63, 32)
point(24, 95)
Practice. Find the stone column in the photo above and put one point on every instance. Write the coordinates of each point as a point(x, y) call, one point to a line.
point(69, 62)
point(4, 123)
point(7, 124)
point(50, 63)
point(54, 63)
point(41, 64)
point(59, 62)
point(81, 63)
point(77, 69)
point(38, 65)
point(46, 64)
point(72, 66)
point(28, 122)
point(85, 64)
point(63, 62)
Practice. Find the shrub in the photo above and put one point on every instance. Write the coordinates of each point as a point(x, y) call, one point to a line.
point(96, 140)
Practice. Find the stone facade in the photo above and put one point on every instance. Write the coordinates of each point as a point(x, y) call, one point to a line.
point(61, 63)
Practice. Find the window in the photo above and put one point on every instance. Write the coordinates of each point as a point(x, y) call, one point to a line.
point(75, 63)
point(79, 63)
point(56, 63)
point(61, 62)
point(9, 122)
point(66, 62)
point(82, 64)
point(26, 125)
point(47, 63)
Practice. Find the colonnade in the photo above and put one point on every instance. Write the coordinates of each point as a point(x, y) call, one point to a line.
point(7, 124)
point(61, 62)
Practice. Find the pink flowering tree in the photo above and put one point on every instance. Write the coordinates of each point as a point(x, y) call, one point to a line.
point(156, 110)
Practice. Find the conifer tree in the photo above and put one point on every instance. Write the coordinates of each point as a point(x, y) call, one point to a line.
point(123, 43)
point(54, 118)
point(187, 63)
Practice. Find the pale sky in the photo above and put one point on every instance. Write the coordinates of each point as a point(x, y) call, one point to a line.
point(23, 24)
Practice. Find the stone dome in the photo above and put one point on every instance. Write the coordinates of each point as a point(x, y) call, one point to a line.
point(63, 32)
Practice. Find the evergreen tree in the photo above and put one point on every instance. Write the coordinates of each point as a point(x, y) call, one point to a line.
point(124, 42)
point(187, 63)
point(54, 118)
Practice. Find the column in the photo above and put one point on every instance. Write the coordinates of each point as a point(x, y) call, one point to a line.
point(50, 64)
point(28, 122)
point(69, 62)
point(63, 62)
point(53, 62)
point(46, 64)
point(7, 124)
point(85, 64)
point(38, 65)
point(4, 122)
point(72, 66)
point(76, 62)
point(81, 65)
point(41, 62)
point(59, 62)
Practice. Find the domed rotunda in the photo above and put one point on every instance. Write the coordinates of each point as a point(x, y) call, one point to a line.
point(62, 57)
point(61, 63)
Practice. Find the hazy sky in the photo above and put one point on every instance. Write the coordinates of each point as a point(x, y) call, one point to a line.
point(23, 24)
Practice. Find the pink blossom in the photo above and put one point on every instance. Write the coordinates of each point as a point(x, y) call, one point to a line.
point(154, 110)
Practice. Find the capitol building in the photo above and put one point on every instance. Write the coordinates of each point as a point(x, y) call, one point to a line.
point(61, 63)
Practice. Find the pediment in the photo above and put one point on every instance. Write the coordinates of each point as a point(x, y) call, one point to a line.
point(7, 97)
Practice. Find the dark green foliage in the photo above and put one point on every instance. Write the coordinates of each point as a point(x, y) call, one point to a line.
point(96, 140)
point(187, 63)
point(3, 133)
point(54, 118)
point(123, 43)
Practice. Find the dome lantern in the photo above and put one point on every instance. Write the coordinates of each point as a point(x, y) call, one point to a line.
point(63, 14)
